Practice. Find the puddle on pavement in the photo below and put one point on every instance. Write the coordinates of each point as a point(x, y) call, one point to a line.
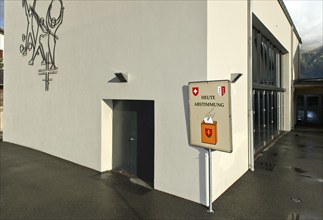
point(296, 200)
point(309, 146)
point(301, 146)
point(275, 154)
point(297, 170)
point(266, 166)
point(305, 173)
point(320, 180)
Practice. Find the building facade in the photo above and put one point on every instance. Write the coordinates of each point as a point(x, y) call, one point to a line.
point(62, 96)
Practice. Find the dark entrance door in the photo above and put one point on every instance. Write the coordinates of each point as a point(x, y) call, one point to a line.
point(133, 138)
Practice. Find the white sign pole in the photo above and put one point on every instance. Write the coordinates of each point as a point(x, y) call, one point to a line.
point(210, 119)
point(210, 210)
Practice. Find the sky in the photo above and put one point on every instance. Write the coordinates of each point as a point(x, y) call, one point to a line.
point(307, 17)
point(306, 14)
point(1, 13)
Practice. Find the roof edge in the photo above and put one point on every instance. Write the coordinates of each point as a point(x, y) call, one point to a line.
point(283, 6)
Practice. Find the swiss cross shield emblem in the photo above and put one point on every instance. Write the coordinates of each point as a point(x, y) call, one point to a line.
point(208, 132)
point(195, 91)
point(221, 90)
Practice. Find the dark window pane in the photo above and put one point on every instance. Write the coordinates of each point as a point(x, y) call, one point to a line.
point(265, 62)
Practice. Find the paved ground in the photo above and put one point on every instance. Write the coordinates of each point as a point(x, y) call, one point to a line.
point(287, 184)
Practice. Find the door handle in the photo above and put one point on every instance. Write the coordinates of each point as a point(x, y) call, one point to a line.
point(131, 139)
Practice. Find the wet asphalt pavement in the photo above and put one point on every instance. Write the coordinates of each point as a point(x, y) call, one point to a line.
point(287, 184)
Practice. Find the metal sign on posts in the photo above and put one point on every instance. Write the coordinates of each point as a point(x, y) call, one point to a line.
point(210, 119)
point(210, 115)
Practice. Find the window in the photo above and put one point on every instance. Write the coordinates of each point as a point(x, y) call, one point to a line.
point(267, 91)
point(266, 61)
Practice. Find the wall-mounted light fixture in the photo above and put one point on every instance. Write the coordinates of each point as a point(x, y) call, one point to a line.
point(235, 77)
point(123, 77)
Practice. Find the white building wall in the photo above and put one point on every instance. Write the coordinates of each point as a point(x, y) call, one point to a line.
point(162, 45)
point(273, 17)
point(227, 53)
point(286, 84)
point(1, 41)
point(295, 74)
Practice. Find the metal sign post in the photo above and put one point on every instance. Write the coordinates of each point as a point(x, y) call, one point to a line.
point(210, 119)
point(210, 210)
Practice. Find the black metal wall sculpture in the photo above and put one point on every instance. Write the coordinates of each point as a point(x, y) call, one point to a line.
point(40, 37)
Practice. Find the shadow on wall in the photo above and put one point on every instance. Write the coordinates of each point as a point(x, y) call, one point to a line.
point(202, 152)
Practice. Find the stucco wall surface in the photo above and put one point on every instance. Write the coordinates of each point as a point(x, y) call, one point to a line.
point(1, 42)
point(227, 53)
point(161, 45)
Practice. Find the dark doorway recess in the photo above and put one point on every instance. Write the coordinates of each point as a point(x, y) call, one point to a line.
point(133, 138)
point(309, 110)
